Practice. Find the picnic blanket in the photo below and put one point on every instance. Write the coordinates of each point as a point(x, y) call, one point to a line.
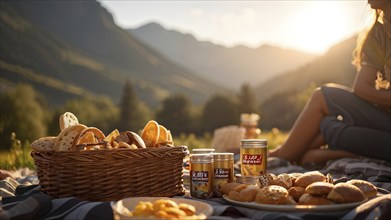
point(29, 202)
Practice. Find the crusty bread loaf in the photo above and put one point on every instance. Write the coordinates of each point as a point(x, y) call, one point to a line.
point(319, 188)
point(346, 193)
point(366, 187)
point(309, 177)
point(307, 199)
point(65, 140)
point(44, 144)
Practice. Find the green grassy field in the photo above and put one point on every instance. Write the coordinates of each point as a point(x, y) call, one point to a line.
point(19, 155)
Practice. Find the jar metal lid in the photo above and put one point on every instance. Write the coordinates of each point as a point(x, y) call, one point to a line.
point(203, 150)
point(253, 143)
point(201, 158)
point(223, 156)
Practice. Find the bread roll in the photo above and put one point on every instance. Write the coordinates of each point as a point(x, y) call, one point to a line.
point(296, 192)
point(319, 188)
point(272, 195)
point(307, 199)
point(366, 187)
point(248, 194)
point(346, 193)
point(233, 186)
point(309, 177)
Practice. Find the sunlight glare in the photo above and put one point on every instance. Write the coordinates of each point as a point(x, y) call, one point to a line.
point(318, 26)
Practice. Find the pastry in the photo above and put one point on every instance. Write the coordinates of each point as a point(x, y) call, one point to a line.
point(346, 193)
point(309, 177)
point(272, 195)
point(366, 187)
point(283, 180)
point(319, 188)
point(296, 192)
point(307, 199)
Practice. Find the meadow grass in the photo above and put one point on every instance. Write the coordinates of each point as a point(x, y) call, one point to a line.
point(19, 154)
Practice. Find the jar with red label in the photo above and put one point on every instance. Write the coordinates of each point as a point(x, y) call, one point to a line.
point(201, 175)
point(253, 157)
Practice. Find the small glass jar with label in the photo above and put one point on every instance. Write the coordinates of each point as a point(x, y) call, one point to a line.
point(253, 157)
point(223, 171)
point(201, 175)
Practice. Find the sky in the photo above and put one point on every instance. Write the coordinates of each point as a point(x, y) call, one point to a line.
point(309, 25)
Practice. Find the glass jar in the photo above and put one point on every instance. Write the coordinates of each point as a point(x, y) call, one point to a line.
point(253, 157)
point(248, 180)
point(223, 171)
point(201, 175)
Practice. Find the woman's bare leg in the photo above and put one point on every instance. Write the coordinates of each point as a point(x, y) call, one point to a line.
point(305, 132)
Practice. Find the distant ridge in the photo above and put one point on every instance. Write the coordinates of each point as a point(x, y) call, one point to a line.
point(335, 66)
point(228, 66)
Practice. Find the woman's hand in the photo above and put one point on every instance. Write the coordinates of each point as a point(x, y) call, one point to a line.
point(364, 87)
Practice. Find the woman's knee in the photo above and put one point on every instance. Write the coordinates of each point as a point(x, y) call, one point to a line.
point(317, 100)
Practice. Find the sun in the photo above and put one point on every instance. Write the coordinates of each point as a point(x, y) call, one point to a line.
point(318, 26)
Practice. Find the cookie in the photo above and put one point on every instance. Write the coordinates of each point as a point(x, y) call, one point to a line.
point(44, 144)
point(66, 138)
point(67, 119)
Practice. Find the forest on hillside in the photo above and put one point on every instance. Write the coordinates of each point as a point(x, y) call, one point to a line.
point(27, 114)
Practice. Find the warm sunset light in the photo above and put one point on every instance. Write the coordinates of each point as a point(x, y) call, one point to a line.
point(310, 26)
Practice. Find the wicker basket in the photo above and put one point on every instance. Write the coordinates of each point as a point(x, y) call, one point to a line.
point(109, 175)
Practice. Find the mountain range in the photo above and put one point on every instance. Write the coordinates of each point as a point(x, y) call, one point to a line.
point(67, 49)
point(227, 66)
point(70, 49)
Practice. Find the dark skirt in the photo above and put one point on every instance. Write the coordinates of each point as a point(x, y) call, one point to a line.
point(355, 125)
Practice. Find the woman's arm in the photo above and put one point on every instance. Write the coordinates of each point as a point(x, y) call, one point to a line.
point(364, 87)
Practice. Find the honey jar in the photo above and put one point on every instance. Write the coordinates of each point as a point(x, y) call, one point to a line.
point(223, 171)
point(253, 157)
point(201, 176)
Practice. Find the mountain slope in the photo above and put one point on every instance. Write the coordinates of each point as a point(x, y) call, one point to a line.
point(228, 66)
point(333, 67)
point(77, 42)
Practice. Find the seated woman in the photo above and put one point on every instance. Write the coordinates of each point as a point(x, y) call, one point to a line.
point(351, 122)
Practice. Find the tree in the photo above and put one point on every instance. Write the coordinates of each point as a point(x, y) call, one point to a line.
point(247, 99)
point(99, 112)
point(133, 115)
point(220, 110)
point(21, 113)
point(176, 114)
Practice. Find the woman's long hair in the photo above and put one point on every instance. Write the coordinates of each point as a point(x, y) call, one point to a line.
point(362, 39)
